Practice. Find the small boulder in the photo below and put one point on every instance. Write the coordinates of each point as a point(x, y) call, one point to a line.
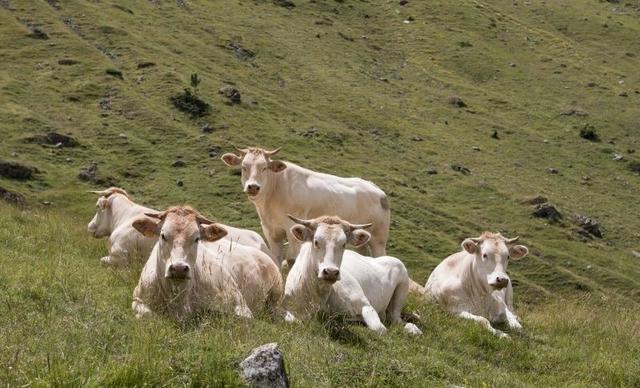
point(90, 174)
point(53, 138)
point(115, 73)
point(552, 170)
point(537, 200)
point(12, 197)
point(494, 135)
point(284, 3)
point(206, 128)
point(431, 171)
point(230, 95)
point(461, 169)
point(456, 101)
point(417, 138)
point(548, 211)
point(37, 33)
point(15, 170)
point(588, 226)
point(588, 132)
point(67, 62)
point(179, 163)
point(144, 65)
point(179, 182)
point(264, 367)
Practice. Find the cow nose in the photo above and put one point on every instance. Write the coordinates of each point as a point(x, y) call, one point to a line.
point(253, 189)
point(502, 282)
point(179, 270)
point(330, 273)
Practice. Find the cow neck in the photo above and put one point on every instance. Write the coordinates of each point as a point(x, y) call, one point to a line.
point(281, 186)
point(312, 291)
point(120, 207)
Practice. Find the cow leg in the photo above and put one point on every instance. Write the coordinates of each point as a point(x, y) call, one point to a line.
point(394, 310)
point(364, 250)
point(484, 322)
point(378, 242)
point(140, 309)
point(371, 319)
point(276, 244)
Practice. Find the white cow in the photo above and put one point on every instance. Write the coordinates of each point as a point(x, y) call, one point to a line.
point(278, 188)
point(192, 269)
point(115, 213)
point(326, 277)
point(473, 284)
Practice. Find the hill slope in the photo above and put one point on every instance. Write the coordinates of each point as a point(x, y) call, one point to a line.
point(345, 87)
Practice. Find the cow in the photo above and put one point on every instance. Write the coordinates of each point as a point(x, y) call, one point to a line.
point(326, 277)
point(192, 269)
point(473, 283)
point(278, 188)
point(115, 213)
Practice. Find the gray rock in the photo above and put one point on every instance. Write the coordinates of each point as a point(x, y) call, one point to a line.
point(53, 138)
point(264, 367)
point(15, 170)
point(461, 169)
point(617, 157)
point(12, 197)
point(588, 226)
point(552, 170)
point(548, 211)
point(537, 200)
point(230, 95)
point(178, 163)
point(456, 101)
point(206, 128)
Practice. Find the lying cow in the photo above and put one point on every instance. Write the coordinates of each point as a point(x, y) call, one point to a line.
point(328, 278)
point(115, 213)
point(192, 269)
point(278, 188)
point(474, 284)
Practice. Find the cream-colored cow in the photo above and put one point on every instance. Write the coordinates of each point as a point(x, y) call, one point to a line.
point(473, 283)
point(115, 213)
point(328, 278)
point(192, 269)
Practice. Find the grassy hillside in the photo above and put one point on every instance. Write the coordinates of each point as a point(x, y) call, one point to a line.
point(345, 87)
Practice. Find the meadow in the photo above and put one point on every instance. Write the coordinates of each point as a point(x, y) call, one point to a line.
point(353, 88)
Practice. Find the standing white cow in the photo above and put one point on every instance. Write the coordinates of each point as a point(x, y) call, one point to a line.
point(115, 213)
point(278, 188)
point(473, 284)
point(328, 278)
point(192, 269)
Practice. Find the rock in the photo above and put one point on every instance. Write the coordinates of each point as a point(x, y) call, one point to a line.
point(15, 170)
point(623, 94)
point(240, 52)
point(634, 167)
point(588, 132)
point(416, 138)
point(552, 170)
point(431, 171)
point(574, 112)
point(548, 211)
point(264, 367)
point(206, 128)
point(512, 64)
point(37, 33)
point(461, 169)
point(475, 148)
point(537, 200)
point(636, 254)
point(403, 2)
point(115, 73)
point(53, 138)
point(67, 62)
point(122, 135)
point(214, 151)
point(178, 163)
point(617, 157)
point(284, 3)
point(179, 182)
point(456, 101)
point(587, 225)
point(230, 95)
point(12, 197)
point(495, 135)
point(144, 65)
point(90, 174)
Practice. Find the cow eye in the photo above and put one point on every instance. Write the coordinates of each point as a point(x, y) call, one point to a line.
point(164, 238)
point(197, 239)
point(485, 256)
point(315, 243)
point(508, 257)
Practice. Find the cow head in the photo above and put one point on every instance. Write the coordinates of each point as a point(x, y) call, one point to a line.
point(180, 229)
point(327, 238)
point(258, 169)
point(101, 224)
point(492, 253)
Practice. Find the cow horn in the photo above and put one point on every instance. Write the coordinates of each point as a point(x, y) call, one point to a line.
point(512, 240)
point(476, 240)
point(203, 221)
point(159, 216)
point(306, 223)
point(271, 153)
point(359, 226)
point(241, 150)
point(99, 192)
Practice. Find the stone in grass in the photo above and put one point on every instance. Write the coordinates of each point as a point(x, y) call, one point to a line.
point(53, 138)
point(115, 73)
point(588, 226)
point(15, 170)
point(461, 169)
point(12, 197)
point(548, 211)
point(230, 95)
point(264, 367)
point(456, 101)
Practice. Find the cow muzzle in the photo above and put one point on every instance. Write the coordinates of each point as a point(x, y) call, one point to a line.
point(179, 271)
point(252, 189)
point(499, 282)
point(329, 274)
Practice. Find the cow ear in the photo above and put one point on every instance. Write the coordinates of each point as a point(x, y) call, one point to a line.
point(103, 203)
point(212, 232)
point(301, 233)
point(277, 165)
point(359, 237)
point(147, 226)
point(470, 246)
point(517, 252)
point(231, 160)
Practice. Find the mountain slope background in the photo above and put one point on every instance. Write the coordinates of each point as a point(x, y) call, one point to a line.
point(353, 88)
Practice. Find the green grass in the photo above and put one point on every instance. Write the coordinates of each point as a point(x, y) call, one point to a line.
point(65, 320)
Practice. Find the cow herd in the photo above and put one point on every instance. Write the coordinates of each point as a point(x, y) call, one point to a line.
point(194, 264)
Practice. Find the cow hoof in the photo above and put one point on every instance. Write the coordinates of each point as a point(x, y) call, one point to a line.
point(412, 329)
point(501, 334)
point(243, 312)
point(288, 317)
point(515, 325)
point(381, 330)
